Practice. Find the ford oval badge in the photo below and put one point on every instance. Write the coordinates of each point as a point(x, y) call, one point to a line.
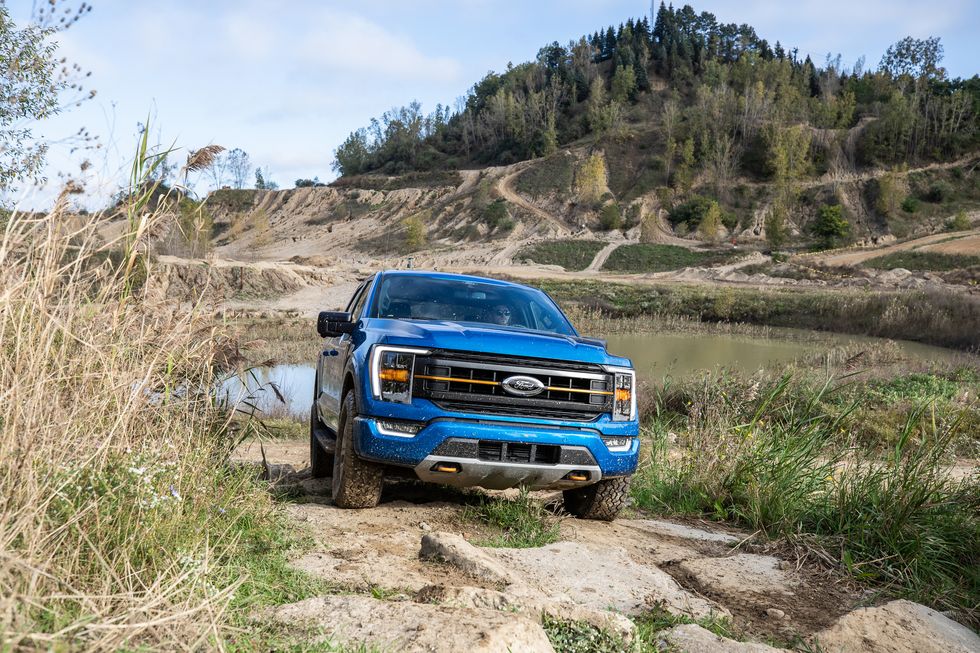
point(523, 386)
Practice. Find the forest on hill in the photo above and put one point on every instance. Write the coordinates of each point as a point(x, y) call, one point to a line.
point(706, 101)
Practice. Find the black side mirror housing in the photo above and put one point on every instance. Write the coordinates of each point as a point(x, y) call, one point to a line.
point(333, 323)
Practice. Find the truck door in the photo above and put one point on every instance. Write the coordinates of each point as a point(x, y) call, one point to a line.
point(332, 361)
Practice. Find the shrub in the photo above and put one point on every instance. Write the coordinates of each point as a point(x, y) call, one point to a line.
point(959, 222)
point(610, 217)
point(939, 191)
point(496, 217)
point(414, 233)
point(691, 211)
point(830, 225)
point(910, 204)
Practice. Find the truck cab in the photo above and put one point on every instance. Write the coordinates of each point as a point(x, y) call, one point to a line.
point(468, 381)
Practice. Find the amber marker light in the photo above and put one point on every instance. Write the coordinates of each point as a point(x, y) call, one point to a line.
point(393, 374)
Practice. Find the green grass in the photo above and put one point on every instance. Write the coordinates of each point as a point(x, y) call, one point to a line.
point(521, 523)
point(569, 254)
point(549, 176)
point(582, 637)
point(923, 261)
point(660, 258)
point(777, 456)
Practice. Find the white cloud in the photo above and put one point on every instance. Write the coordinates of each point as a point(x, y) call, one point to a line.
point(347, 42)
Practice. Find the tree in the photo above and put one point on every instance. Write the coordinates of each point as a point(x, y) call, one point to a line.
point(916, 58)
point(262, 180)
point(831, 226)
point(34, 85)
point(239, 167)
point(351, 158)
point(775, 225)
point(414, 233)
point(217, 170)
point(711, 223)
point(590, 179)
point(623, 84)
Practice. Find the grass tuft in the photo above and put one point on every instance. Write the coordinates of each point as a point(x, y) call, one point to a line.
point(520, 523)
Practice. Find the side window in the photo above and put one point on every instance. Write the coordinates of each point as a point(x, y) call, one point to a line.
point(359, 300)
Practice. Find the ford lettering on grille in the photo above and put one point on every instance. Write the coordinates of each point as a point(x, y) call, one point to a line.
point(522, 386)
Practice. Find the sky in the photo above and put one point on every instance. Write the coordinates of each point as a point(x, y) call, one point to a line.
point(288, 81)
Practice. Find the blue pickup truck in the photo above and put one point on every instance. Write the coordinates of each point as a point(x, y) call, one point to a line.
point(469, 381)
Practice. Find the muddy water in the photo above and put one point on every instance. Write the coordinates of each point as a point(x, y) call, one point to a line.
point(654, 356)
point(680, 354)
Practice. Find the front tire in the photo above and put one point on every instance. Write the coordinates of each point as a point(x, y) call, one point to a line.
point(356, 483)
point(602, 501)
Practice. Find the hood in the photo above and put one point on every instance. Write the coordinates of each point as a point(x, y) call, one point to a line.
point(489, 339)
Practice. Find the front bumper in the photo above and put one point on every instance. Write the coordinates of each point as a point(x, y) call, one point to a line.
point(582, 451)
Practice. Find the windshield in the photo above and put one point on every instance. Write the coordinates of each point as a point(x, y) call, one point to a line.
point(407, 297)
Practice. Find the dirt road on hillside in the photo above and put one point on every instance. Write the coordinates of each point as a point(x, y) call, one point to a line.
point(506, 190)
point(412, 576)
point(943, 242)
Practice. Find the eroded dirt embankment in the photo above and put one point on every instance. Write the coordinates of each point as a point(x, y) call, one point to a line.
point(414, 580)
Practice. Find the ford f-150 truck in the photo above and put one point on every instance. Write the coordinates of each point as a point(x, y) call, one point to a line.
point(469, 381)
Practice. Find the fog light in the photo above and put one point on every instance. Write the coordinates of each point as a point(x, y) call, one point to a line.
point(447, 468)
point(618, 444)
point(395, 427)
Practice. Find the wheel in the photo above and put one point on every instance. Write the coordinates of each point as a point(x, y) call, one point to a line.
point(321, 462)
point(602, 500)
point(356, 483)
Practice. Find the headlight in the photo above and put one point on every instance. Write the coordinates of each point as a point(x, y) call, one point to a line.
point(624, 395)
point(391, 372)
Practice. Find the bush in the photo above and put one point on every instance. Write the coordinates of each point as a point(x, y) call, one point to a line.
point(959, 222)
point(938, 192)
point(496, 217)
point(910, 204)
point(830, 225)
point(610, 217)
point(691, 211)
point(414, 233)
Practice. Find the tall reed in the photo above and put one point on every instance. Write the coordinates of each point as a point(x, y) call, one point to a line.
point(116, 507)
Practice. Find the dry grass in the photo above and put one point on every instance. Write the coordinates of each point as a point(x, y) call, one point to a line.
point(116, 508)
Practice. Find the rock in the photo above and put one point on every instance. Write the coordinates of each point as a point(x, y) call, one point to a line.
point(661, 527)
point(742, 574)
point(407, 626)
point(602, 578)
point(522, 599)
point(425, 526)
point(775, 613)
point(469, 559)
point(897, 627)
point(691, 638)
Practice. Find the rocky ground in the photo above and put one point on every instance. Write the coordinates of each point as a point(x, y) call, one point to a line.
point(411, 576)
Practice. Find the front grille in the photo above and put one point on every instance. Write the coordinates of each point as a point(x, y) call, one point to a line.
point(473, 383)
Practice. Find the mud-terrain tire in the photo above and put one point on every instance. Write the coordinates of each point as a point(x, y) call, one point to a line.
point(602, 500)
point(321, 462)
point(356, 483)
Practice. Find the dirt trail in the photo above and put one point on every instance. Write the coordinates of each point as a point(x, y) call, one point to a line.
point(506, 190)
point(602, 256)
point(856, 257)
point(441, 591)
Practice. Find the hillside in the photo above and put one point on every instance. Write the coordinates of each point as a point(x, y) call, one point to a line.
point(698, 119)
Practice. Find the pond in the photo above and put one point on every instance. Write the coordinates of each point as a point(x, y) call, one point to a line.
point(654, 355)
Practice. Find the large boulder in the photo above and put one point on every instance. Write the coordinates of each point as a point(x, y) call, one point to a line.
point(897, 627)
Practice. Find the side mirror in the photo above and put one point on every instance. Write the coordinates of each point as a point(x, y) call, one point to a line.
point(333, 323)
